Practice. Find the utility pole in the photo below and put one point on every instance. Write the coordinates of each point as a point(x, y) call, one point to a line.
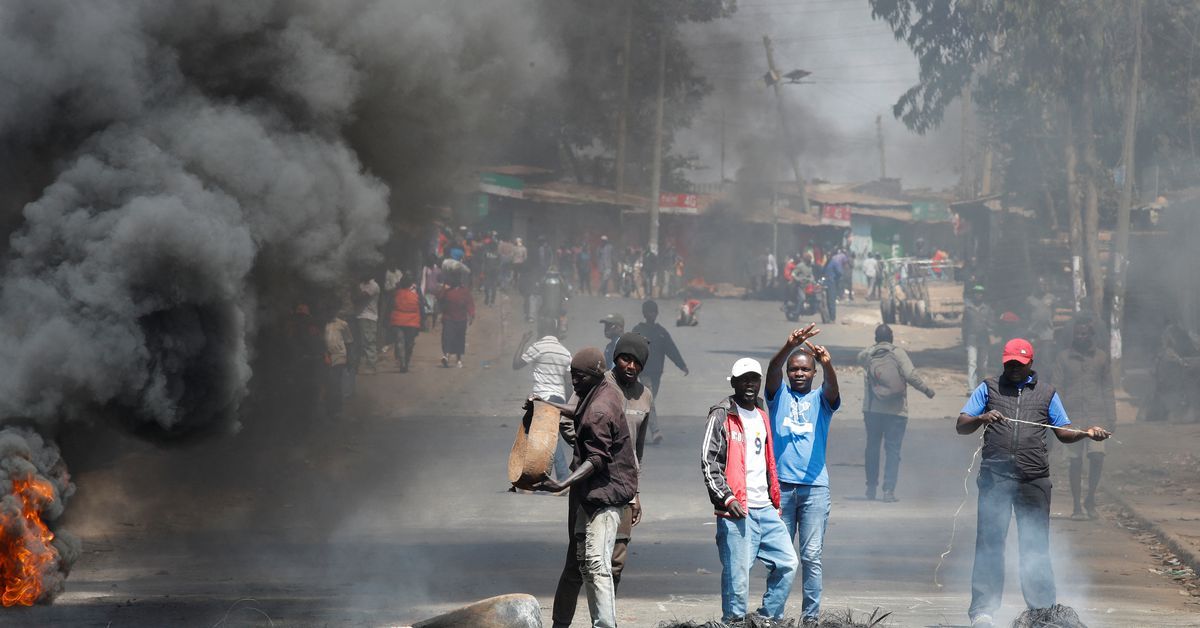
point(879, 140)
point(1121, 245)
point(775, 79)
point(656, 176)
point(722, 145)
point(623, 114)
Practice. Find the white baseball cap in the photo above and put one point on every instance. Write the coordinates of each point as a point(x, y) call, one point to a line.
point(745, 365)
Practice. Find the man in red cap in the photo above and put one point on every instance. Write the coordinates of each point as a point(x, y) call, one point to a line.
point(1014, 476)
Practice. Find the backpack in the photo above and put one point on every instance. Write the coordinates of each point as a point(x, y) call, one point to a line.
point(887, 381)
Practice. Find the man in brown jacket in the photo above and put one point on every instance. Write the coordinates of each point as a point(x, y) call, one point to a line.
point(603, 482)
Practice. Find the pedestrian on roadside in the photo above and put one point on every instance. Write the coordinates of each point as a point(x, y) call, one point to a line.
point(772, 269)
point(583, 269)
point(1083, 373)
point(662, 346)
point(604, 261)
point(338, 342)
point(977, 325)
point(800, 419)
point(604, 480)
point(431, 287)
point(799, 424)
point(550, 362)
point(1014, 477)
point(366, 325)
point(405, 320)
point(887, 373)
point(491, 272)
point(870, 268)
point(391, 280)
point(649, 272)
point(1039, 318)
point(631, 351)
point(458, 313)
point(738, 464)
point(520, 255)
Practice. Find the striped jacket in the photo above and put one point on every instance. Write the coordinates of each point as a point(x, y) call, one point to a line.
point(723, 458)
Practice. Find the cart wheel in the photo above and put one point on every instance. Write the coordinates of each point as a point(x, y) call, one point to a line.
point(902, 312)
point(887, 310)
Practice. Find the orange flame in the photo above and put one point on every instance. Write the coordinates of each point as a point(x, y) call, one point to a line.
point(25, 550)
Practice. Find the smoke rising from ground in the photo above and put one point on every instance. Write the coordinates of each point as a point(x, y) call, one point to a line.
point(190, 143)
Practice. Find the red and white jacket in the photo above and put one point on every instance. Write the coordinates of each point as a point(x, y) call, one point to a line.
point(723, 458)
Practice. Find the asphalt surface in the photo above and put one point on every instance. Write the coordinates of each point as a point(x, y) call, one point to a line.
point(399, 511)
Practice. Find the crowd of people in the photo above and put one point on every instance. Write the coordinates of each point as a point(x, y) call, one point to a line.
point(763, 464)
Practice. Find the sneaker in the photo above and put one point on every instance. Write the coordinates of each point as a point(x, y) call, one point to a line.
point(445, 362)
point(890, 497)
point(871, 493)
point(1089, 506)
point(982, 621)
point(458, 364)
point(1078, 515)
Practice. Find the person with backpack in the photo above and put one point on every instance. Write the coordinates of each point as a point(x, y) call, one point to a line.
point(887, 372)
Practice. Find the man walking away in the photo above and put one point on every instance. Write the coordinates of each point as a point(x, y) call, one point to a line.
point(662, 346)
point(887, 372)
point(631, 354)
point(366, 324)
point(1014, 477)
point(738, 464)
point(977, 324)
point(458, 312)
point(491, 272)
point(1083, 373)
point(405, 321)
point(603, 482)
point(800, 418)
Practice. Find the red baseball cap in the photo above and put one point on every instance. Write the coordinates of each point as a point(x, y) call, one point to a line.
point(1018, 349)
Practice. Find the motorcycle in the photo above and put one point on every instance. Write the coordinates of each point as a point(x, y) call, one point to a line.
point(812, 302)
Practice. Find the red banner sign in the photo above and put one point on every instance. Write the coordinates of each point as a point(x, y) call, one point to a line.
point(836, 215)
point(679, 203)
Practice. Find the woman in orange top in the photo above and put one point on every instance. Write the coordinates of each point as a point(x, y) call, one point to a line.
point(405, 321)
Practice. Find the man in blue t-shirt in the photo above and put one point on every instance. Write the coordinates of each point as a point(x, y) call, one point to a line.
point(800, 419)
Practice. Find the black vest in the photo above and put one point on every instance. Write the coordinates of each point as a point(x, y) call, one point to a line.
point(1016, 448)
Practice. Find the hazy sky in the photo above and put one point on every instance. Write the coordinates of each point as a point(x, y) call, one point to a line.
point(858, 71)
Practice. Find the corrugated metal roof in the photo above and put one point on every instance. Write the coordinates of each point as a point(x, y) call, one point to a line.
point(854, 199)
point(567, 193)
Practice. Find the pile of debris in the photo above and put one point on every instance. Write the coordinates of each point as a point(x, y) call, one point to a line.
point(1057, 616)
point(838, 619)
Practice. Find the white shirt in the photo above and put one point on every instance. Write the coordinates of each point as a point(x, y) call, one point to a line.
point(772, 267)
point(870, 267)
point(551, 363)
point(757, 493)
point(370, 310)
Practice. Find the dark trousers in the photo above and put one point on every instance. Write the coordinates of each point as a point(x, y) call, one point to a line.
point(831, 294)
point(887, 429)
point(999, 497)
point(490, 284)
point(566, 596)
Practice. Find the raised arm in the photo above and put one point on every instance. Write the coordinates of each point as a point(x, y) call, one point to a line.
point(830, 386)
point(775, 368)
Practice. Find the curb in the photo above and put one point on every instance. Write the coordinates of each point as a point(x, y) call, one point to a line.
point(1184, 553)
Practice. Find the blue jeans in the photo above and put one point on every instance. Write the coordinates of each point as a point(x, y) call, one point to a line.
point(807, 507)
point(762, 535)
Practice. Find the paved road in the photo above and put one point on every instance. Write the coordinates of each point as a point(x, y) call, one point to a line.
point(400, 512)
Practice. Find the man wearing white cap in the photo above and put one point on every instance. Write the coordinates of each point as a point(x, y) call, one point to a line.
point(739, 472)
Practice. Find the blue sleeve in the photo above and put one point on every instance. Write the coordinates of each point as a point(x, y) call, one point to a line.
point(978, 401)
point(1058, 414)
point(825, 402)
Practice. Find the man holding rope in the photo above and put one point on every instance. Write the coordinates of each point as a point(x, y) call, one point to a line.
point(1015, 411)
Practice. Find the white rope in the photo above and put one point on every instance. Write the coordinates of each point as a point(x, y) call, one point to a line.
point(961, 505)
